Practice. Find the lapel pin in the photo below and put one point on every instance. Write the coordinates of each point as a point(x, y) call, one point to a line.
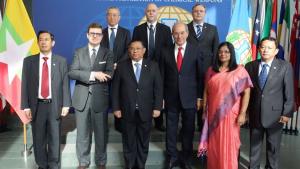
point(145, 65)
point(53, 64)
point(274, 67)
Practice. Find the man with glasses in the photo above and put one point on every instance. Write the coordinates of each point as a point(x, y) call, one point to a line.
point(92, 68)
point(115, 38)
point(137, 98)
point(206, 37)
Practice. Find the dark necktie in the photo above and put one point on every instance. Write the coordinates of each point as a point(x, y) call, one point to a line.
point(93, 56)
point(137, 71)
point(151, 42)
point(45, 79)
point(179, 58)
point(263, 76)
point(112, 39)
point(199, 31)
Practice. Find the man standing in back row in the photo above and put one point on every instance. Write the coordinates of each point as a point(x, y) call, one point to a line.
point(92, 68)
point(206, 37)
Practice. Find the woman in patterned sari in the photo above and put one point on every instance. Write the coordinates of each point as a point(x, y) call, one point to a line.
point(226, 97)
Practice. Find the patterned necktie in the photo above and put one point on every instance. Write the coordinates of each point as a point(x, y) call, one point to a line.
point(179, 58)
point(45, 79)
point(137, 71)
point(93, 56)
point(263, 76)
point(151, 42)
point(112, 39)
point(199, 31)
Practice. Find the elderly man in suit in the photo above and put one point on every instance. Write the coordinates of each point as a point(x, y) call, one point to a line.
point(45, 98)
point(206, 37)
point(154, 36)
point(115, 38)
point(137, 97)
point(182, 74)
point(271, 103)
point(92, 68)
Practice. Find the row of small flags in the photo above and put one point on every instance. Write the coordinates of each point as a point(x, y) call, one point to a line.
point(245, 36)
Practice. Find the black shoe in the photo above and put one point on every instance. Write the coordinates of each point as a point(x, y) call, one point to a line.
point(171, 165)
point(161, 128)
point(186, 166)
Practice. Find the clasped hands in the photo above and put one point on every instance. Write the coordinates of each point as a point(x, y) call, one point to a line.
point(102, 77)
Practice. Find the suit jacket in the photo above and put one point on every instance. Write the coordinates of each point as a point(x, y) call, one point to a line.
point(80, 71)
point(121, 42)
point(208, 41)
point(163, 38)
point(184, 87)
point(60, 88)
point(277, 97)
point(127, 92)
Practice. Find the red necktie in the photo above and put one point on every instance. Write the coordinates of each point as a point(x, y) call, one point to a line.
point(179, 58)
point(45, 79)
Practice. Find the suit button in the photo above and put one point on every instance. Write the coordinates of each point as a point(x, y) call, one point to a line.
point(137, 90)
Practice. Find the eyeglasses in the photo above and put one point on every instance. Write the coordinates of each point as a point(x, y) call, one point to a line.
point(135, 49)
point(95, 34)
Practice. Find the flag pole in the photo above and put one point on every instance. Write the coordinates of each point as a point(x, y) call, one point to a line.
point(26, 152)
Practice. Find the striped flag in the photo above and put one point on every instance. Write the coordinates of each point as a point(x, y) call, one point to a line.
point(273, 31)
point(17, 40)
point(268, 19)
point(284, 40)
point(239, 32)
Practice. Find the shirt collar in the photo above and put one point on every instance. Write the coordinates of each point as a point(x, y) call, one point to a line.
point(195, 24)
point(183, 46)
point(268, 63)
point(48, 55)
point(116, 26)
point(91, 48)
point(154, 24)
point(140, 62)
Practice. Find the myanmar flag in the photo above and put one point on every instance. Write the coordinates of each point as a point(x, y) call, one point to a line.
point(17, 40)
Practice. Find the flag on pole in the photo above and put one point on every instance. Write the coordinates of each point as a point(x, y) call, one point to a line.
point(273, 31)
point(256, 32)
point(268, 20)
point(17, 40)
point(239, 32)
point(284, 40)
point(295, 52)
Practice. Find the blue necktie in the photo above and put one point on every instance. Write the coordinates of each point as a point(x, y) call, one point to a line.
point(151, 42)
point(112, 39)
point(263, 76)
point(137, 72)
point(199, 31)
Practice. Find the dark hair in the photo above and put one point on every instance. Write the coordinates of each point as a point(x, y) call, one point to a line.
point(45, 31)
point(232, 62)
point(198, 4)
point(269, 39)
point(94, 25)
point(132, 41)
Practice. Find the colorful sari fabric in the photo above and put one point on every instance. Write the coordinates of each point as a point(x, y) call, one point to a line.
point(220, 138)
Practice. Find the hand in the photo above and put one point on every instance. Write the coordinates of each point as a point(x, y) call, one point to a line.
point(102, 77)
point(65, 111)
point(241, 119)
point(118, 114)
point(156, 113)
point(284, 119)
point(28, 114)
point(199, 104)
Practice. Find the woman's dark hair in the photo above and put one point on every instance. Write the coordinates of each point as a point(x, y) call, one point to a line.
point(232, 62)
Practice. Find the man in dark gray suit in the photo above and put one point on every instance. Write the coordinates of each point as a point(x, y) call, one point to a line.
point(92, 68)
point(137, 97)
point(45, 98)
point(115, 38)
point(206, 37)
point(271, 102)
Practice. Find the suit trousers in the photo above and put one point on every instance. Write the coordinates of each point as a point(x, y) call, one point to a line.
point(136, 137)
point(187, 134)
point(46, 137)
point(89, 122)
point(273, 139)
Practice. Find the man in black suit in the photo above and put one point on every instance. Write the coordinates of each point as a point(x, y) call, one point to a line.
point(182, 74)
point(45, 98)
point(115, 38)
point(206, 37)
point(137, 97)
point(154, 36)
point(92, 68)
point(271, 103)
